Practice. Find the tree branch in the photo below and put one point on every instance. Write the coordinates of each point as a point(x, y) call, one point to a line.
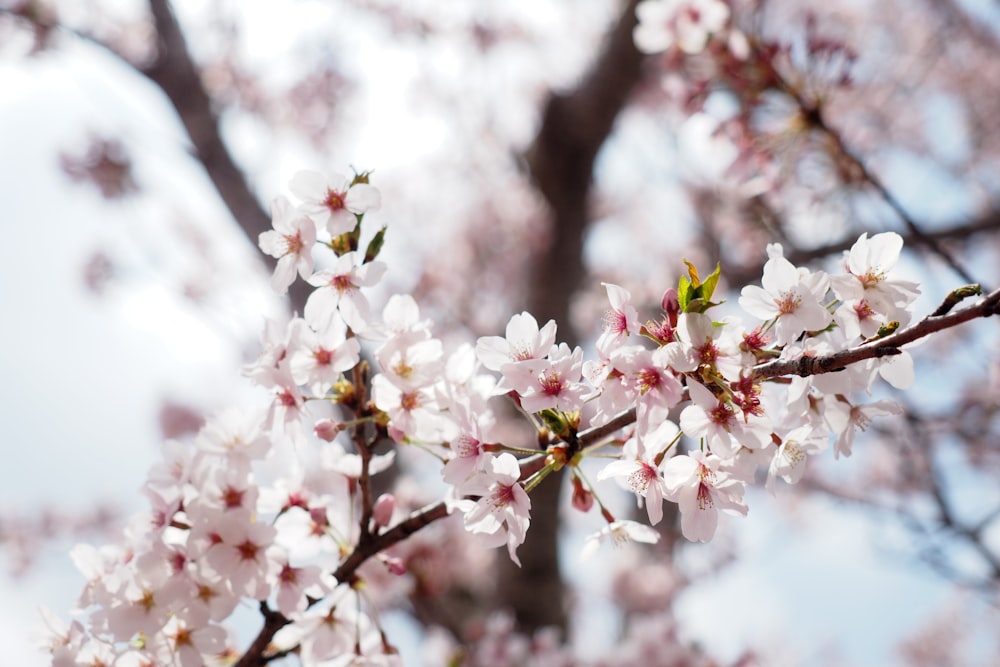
point(882, 347)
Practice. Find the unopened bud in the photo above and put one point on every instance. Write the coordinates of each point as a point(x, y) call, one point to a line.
point(393, 564)
point(327, 429)
point(583, 499)
point(671, 305)
point(383, 509)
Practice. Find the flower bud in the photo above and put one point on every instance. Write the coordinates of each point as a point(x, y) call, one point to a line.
point(327, 429)
point(671, 305)
point(393, 564)
point(583, 499)
point(383, 508)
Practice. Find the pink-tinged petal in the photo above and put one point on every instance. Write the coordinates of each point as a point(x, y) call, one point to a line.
point(698, 525)
point(284, 274)
point(362, 198)
point(758, 302)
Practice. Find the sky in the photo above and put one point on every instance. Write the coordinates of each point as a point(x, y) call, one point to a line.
point(84, 376)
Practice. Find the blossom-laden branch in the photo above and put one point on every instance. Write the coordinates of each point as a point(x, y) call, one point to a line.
point(891, 344)
point(223, 529)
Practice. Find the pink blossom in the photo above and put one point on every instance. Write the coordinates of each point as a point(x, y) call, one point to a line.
point(619, 532)
point(639, 470)
point(502, 514)
point(291, 242)
point(791, 297)
point(340, 289)
point(333, 202)
point(695, 482)
point(684, 23)
point(549, 383)
point(723, 426)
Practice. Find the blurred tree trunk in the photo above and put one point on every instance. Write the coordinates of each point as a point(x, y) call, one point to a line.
point(177, 75)
point(574, 126)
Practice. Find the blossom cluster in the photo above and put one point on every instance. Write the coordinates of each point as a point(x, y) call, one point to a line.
point(276, 505)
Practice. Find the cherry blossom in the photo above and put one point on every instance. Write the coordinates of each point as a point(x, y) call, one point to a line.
point(619, 532)
point(700, 488)
point(340, 289)
point(502, 514)
point(333, 202)
point(789, 296)
point(291, 242)
point(684, 23)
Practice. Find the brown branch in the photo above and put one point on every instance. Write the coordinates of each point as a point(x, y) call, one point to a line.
point(274, 621)
point(882, 347)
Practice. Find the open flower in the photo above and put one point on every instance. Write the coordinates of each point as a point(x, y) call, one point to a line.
point(333, 202)
point(291, 242)
point(700, 489)
point(502, 514)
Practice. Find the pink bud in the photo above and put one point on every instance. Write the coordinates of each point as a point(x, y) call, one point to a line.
point(583, 499)
point(671, 305)
point(327, 429)
point(382, 511)
point(394, 565)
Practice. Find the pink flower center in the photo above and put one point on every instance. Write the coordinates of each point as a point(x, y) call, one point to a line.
point(466, 446)
point(323, 357)
point(708, 353)
point(342, 283)
point(410, 401)
point(293, 244)
point(615, 322)
point(551, 384)
point(334, 201)
point(721, 414)
point(639, 480)
point(247, 550)
point(788, 303)
point(863, 310)
point(502, 496)
point(232, 497)
point(648, 378)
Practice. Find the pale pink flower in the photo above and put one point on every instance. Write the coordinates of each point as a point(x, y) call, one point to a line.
point(619, 532)
point(502, 514)
point(868, 264)
point(700, 341)
point(320, 357)
point(292, 585)
point(790, 296)
point(639, 471)
point(685, 23)
point(234, 432)
point(789, 461)
point(188, 640)
point(524, 341)
point(239, 554)
point(413, 413)
point(620, 322)
point(340, 289)
point(291, 242)
point(333, 202)
point(700, 489)
point(552, 383)
point(844, 418)
point(724, 427)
